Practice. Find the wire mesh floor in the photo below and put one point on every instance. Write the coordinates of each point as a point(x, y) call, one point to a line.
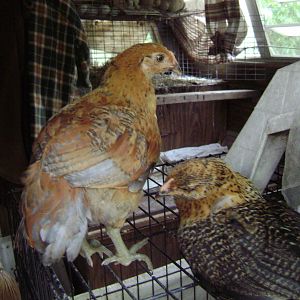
point(157, 220)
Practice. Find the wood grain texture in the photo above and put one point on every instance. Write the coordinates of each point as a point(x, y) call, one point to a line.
point(191, 124)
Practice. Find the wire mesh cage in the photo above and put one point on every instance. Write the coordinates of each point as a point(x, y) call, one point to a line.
point(156, 219)
point(109, 32)
point(198, 43)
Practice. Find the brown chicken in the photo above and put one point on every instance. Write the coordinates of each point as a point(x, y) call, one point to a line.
point(91, 160)
point(238, 244)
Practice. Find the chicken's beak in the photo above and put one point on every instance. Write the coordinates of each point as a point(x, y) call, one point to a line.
point(165, 189)
point(176, 69)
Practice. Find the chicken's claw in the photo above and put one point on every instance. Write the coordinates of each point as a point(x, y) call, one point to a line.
point(127, 259)
point(88, 249)
point(124, 255)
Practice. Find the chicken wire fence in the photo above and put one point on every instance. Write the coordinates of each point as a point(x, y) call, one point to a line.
point(156, 219)
point(107, 38)
point(199, 51)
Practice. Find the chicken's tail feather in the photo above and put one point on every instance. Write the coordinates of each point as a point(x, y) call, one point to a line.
point(55, 215)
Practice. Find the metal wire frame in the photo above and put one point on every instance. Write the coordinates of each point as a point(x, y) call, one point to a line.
point(108, 37)
point(165, 290)
point(38, 282)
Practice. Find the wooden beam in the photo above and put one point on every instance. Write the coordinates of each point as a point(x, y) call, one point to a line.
point(205, 96)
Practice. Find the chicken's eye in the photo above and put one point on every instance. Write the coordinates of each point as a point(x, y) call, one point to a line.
point(160, 57)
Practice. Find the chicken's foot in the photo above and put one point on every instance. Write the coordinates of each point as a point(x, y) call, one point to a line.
point(124, 255)
point(88, 249)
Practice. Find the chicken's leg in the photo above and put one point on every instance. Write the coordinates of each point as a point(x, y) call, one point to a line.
point(88, 249)
point(124, 255)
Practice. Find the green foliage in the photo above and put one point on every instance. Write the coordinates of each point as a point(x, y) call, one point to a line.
point(281, 45)
point(281, 12)
point(275, 12)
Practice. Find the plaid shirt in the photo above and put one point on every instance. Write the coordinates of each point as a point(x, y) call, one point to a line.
point(216, 39)
point(56, 45)
point(222, 23)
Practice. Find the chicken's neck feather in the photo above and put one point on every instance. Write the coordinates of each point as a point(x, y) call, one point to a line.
point(131, 87)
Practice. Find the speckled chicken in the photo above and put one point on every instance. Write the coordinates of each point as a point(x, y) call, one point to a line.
point(238, 244)
point(91, 160)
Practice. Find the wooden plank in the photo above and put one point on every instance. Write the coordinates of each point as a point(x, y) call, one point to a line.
point(191, 123)
point(205, 96)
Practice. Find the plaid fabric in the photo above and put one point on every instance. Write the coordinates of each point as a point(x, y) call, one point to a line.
point(191, 34)
point(215, 39)
point(222, 22)
point(56, 45)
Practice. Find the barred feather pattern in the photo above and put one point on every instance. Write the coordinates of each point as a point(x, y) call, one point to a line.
point(238, 244)
point(251, 251)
